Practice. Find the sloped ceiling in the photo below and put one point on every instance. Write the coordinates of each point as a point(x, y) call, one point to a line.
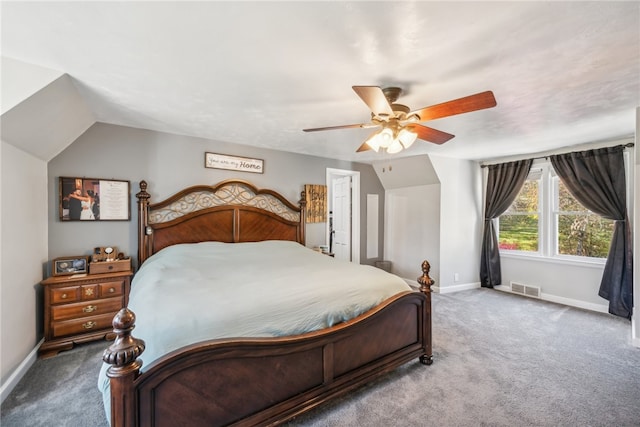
point(20, 80)
point(46, 121)
point(405, 172)
point(257, 73)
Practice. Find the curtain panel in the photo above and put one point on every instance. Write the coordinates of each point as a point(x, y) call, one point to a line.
point(504, 182)
point(596, 178)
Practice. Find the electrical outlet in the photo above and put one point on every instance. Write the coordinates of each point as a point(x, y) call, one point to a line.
point(456, 277)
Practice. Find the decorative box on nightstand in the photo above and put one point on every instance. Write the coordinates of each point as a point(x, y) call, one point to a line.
point(81, 308)
point(110, 266)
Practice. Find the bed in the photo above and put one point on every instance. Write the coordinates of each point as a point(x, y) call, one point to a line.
point(261, 368)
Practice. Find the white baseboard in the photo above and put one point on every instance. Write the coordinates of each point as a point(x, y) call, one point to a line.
point(21, 370)
point(601, 308)
point(575, 303)
point(455, 288)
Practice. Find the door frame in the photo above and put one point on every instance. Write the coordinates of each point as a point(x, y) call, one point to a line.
point(355, 207)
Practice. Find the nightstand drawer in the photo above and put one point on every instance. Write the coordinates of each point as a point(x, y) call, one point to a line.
point(86, 309)
point(89, 291)
point(81, 326)
point(65, 295)
point(111, 289)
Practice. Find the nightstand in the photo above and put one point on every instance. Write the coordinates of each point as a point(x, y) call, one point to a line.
point(81, 308)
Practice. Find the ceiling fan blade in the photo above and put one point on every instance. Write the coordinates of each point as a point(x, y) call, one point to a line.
point(479, 101)
point(375, 99)
point(356, 125)
point(363, 147)
point(429, 134)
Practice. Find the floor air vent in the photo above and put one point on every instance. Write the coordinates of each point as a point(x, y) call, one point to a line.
point(526, 290)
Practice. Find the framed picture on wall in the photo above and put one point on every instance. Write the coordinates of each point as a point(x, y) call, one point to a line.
point(316, 196)
point(94, 199)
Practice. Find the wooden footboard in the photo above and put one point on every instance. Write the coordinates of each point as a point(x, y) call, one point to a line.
point(252, 382)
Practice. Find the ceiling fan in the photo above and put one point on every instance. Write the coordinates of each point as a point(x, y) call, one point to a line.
point(400, 125)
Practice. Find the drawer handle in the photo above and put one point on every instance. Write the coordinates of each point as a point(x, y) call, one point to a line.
point(63, 296)
point(89, 325)
point(112, 290)
point(90, 308)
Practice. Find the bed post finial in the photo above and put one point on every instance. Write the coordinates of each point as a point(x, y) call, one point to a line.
point(122, 355)
point(426, 282)
point(142, 195)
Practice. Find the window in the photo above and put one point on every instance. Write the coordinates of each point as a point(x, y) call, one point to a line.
point(546, 220)
point(580, 232)
point(519, 226)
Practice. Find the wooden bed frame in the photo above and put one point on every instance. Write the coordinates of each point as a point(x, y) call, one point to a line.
point(259, 381)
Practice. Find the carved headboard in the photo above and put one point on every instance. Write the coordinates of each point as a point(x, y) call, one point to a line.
point(231, 211)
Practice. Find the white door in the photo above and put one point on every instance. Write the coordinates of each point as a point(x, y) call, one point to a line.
point(342, 217)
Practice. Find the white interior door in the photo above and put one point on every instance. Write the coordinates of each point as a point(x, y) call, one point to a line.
point(342, 217)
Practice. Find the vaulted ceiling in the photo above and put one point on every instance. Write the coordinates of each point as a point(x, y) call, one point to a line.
point(257, 73)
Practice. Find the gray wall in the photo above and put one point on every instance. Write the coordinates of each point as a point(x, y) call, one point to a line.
point(170, 163)
point(460, 222)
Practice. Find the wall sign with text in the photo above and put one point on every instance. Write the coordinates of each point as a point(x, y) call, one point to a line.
point(94, 199)
point(234, 163)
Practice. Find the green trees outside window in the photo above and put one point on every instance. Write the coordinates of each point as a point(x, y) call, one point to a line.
point(581, 232)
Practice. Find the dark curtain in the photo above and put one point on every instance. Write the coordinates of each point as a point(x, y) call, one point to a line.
point(503, 185)
point(596, 178)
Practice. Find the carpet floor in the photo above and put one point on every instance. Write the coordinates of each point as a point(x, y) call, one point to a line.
point(499, 360)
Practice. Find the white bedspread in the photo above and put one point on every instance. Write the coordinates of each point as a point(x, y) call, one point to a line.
point(195, 292)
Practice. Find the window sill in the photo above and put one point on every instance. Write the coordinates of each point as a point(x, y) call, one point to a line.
point(583, 262)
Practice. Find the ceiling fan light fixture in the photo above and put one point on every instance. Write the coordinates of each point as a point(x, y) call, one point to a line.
point(385, 137)
point(407, 138)
point(374, 142)
point(395, 147)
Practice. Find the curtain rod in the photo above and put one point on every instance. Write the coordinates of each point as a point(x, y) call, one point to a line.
point(627, 145)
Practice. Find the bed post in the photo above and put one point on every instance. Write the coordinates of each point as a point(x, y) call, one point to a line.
point(425, 287)
point(143, 221)
point(122, 355)
point(303, 217)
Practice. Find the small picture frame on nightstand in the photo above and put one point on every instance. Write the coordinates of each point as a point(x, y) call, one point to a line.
point(65, 266)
